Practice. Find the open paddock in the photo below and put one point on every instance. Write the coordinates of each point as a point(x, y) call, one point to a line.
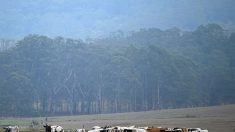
point(215, 119)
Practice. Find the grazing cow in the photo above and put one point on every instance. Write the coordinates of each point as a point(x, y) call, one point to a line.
point(105, 129)
point(96, 129)
point(174, 130)
point(159, 129)
point(140, 130)
point(101, 129)
point(80, 130)
point(113, 129)
point(11, 129)
point(54, 128)
point(127, 129)
point(196, 130)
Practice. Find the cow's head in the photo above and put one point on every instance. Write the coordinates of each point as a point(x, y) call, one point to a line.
point(47, 127)
point(7, 129)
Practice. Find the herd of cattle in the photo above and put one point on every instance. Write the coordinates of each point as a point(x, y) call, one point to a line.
point(57, 128)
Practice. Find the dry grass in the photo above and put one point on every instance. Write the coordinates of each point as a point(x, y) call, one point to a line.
point(215, 119)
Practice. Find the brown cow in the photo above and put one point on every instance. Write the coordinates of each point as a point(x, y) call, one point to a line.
point(160, 129)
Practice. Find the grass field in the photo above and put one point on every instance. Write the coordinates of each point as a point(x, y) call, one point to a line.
point(215, 119)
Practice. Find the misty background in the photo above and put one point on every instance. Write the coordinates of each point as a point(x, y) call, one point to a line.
point(67, 57)
point(92, 18)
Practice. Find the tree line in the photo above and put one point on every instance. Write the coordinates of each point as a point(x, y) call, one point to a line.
point(146, 70)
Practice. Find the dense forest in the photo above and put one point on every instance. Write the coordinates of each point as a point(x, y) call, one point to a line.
point(143, 70)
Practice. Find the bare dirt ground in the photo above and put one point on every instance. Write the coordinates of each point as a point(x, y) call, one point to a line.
point(215, 119)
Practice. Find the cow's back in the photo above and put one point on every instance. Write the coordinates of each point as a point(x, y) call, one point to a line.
point(156, 129)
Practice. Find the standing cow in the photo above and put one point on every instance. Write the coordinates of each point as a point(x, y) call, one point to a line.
point(54, 128)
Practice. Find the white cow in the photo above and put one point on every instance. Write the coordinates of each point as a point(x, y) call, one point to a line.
point(140, 130)
point(80, 130)
point(96, 129)
point(54, 128)
point(11, 129)
point(196, 130)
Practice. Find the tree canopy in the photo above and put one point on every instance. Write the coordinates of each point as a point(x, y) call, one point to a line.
point(146, 70)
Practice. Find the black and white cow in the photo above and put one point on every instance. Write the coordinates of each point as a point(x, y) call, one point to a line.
point(54, 128)
point(11, 129)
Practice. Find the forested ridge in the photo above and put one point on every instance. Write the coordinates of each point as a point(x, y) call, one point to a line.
point(145, 70)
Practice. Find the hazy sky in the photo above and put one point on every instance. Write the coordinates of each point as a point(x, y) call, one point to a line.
point(95, 18)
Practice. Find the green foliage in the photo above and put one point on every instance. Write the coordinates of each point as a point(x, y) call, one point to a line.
point(150, 69)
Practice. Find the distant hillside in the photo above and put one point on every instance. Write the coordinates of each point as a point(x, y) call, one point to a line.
point(147, 70)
